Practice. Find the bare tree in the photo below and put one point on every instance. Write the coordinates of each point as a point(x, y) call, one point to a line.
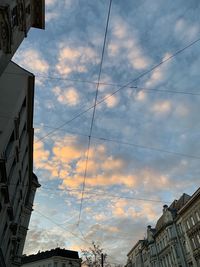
point(93, 256)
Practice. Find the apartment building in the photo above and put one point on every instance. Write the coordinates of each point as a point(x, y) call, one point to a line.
point(18, 184)
point(16, 18)
point(175, 240)
point(135, 255)
point(53, 258)
point(188, 227)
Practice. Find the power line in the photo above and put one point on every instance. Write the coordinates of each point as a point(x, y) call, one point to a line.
point(94, 109)
point(63, 228)
point(152, 90)
point(150, 148)
point(132, 144)
point(95, 192)
point(124, 86)
point(69, 79)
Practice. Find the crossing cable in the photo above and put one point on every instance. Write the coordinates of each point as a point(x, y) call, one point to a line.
point(137, 88)
point(122, 87)
point(94, 110)
point(120, 142)
point(63, 228)
point(108, 195)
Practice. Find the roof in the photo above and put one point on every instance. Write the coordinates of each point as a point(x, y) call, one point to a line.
point(51, 253)
point(175, 206)
point(178, 204)
point(193, 198)
point(137, 244)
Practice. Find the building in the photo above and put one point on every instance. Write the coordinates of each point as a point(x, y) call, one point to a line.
point(135, 255)
point(175, 240)
point(53, 258)
point(18, 184)
point(188, 227)
point(16, 18)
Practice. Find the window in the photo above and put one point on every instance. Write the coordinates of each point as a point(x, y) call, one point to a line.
point(188, 224)
point(10, 144)
point(197, 215)
point(63, 265)
point(55, 264)
point(11, 171)
point(23, 133)
point(4, 231)
point(24, 156)
point(198, 238)
point(15, 17)
point(192, 220)
point(28, 10)
point(23, 107)
point(193, 243)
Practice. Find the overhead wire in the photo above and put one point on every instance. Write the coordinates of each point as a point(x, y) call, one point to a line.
point(110, 195)
point(122, 87)
point(137, 88)
point(63, 228)
point(94, 109)
point(131, 144)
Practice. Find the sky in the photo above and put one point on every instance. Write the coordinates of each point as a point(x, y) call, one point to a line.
point(144, 145)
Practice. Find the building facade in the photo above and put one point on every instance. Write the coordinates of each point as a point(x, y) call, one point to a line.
point(188, 227)
point(175, 240)
point(16, 18)
point(53, 258)
point(18, 184)
point(135, 255)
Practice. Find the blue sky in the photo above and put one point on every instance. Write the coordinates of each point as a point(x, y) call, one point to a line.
point(145, 137)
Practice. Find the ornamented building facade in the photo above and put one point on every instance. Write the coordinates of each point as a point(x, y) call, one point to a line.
point(175, 240)
point(18, 184)
point(16, 18)
point(53, 258)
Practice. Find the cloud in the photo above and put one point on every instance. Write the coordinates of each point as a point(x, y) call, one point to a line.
point(141, 96)
point(68, 162)
point(146, 210)
point(162, 107)
point(127, 45)
point(50, 2)
point(68, 96)
point(159, 75)
point(41, 156)
point(33, 60)
point(185, 30)
point(74, 59)
point(39, 239)
point(111, 101)
point(118, 175)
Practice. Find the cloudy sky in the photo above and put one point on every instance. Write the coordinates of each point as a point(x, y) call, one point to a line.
point(144, 150)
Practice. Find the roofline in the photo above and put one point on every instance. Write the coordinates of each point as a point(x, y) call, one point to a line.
point(139, 241)
point(190, 201)
point(28, 72)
